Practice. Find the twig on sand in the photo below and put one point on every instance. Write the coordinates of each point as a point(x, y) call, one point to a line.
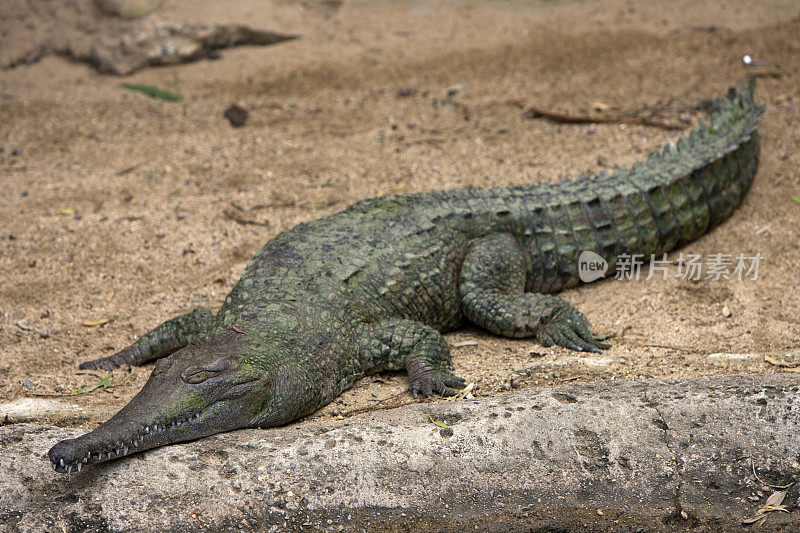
point(237, 214)
point(773, 487)
point(535, 112)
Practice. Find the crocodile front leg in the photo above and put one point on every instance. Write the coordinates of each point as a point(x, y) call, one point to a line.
point(165, 339)
point(492, 289)
point(395, 344)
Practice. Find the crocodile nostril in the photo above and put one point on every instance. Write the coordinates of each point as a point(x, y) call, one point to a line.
point(162, 365)
point(193, 374)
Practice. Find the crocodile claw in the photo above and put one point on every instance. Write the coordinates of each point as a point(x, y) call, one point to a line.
point(570, 328)
point(438, 382)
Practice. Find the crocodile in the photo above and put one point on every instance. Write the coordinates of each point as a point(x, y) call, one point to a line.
point(372, 288)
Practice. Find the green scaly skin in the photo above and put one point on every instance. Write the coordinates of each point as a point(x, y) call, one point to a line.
point(371, 288)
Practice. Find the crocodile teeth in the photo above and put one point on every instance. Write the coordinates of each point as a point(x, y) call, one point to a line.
point(69, 469)
point(61, 462)
point(125, 451)
point(79, 466)
point(55, 466)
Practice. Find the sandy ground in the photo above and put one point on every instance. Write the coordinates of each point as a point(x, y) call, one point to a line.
point(112, 203)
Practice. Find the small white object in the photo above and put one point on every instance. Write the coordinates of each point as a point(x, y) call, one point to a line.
point(747, 60)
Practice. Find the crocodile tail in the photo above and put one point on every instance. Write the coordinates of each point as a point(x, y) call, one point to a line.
point(679, 193)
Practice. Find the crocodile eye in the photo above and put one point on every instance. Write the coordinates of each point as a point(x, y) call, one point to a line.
point(198, 374)
point(194, 374)
point(223, 363)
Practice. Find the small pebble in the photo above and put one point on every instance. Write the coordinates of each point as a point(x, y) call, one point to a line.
point(726, 312)
point(455, 89)
point(236, 115)
point(751, 61)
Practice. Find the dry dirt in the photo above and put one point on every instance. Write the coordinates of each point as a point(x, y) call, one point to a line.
point(112, 203)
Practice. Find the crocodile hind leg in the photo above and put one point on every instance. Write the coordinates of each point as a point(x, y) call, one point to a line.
point(398, 343)
point(492, 289)
point(165, 339)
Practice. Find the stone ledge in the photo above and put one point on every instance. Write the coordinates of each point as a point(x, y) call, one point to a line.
point(605, 456)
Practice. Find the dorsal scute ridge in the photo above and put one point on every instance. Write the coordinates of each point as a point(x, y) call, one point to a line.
point(731, 125)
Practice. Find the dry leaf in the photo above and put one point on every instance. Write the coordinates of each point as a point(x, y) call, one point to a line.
point(792, 361)
point(756, 518)
point(93, 323)
point(103, 383)
point(461, 344)
point(775, 499)
point(772, 504)
point(466, 392)
point(437, 422)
